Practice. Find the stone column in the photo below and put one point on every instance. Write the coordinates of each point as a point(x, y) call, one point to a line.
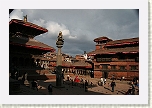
point(59, 77)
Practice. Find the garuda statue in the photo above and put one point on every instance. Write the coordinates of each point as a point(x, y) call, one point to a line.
point(60, 36)
point(60, 39)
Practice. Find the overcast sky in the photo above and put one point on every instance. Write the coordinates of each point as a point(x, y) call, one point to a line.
point(81, 26)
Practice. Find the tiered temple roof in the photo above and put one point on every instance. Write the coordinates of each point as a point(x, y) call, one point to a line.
point(102, 38)
point(115, 50)
point(25, 27)
point(81, 64)
point(123, 42)
point(22, 33)
point(133, 49)
point(30, 43)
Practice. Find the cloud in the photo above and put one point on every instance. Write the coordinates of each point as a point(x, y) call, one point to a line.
point(16, 14)
point(81, 26)
point(54, 28)
point(72, 37)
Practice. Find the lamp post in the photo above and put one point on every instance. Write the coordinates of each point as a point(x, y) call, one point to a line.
point(59, 44)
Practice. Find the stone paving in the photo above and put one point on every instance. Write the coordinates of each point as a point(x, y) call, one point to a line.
point(68, 89)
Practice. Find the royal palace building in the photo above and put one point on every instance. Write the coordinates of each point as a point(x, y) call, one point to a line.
point(116, 58)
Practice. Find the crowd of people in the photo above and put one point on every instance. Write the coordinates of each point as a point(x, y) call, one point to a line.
point(79, 81)
point(132, 89)
point(102, 82)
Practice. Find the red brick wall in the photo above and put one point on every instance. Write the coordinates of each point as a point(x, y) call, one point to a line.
point(118, 75)
point(97, 74)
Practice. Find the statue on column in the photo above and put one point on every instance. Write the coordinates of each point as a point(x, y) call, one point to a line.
point(25, 18)
point(60, 40)
point(60, 36)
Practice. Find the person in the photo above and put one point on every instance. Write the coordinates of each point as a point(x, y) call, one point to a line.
point(132, 88)
point(102, 82)
point(137, 85)
point(34, 85)
point(50, 89)
point(62, 75)
point(86, 86)
point(105, 81)
point(63, 78)
point(129, 91)
point(25, 76)
point(91, 85)
point(122, 78)
point(81, 80)
point(72, 82)
point(15, 73)
point(113, 84)
point(68, 77)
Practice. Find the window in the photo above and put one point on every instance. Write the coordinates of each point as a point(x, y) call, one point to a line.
point(113, 67)
point(104, 66)
point(103, 59)
point(137, 59)
point(97, 66)
point(122, 67)
point(133, 67)
point(98, 59)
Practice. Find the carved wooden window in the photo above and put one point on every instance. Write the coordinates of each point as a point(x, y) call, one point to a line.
point(105, 66)
point(113, 67)
point(122, 68)
point(97, 66)
point(133, 67)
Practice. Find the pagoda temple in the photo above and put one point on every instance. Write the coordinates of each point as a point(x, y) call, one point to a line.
point(24, 51)
point(116, 58)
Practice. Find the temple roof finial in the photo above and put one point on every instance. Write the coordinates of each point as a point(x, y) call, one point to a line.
point(25, 18)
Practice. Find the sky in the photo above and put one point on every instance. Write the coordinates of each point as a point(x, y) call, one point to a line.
point(81, 26)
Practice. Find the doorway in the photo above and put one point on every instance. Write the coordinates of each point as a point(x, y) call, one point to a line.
point(105, 75)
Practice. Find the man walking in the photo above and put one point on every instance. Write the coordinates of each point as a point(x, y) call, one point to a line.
point(50, 89)
point(132, 88)
point(113, 84)
point(86, 86)
point(102, 81)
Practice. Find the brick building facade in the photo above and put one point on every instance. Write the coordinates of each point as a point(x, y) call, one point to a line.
point(116, 58)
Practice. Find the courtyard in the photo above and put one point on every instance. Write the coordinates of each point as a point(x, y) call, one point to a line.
point(78, 89)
